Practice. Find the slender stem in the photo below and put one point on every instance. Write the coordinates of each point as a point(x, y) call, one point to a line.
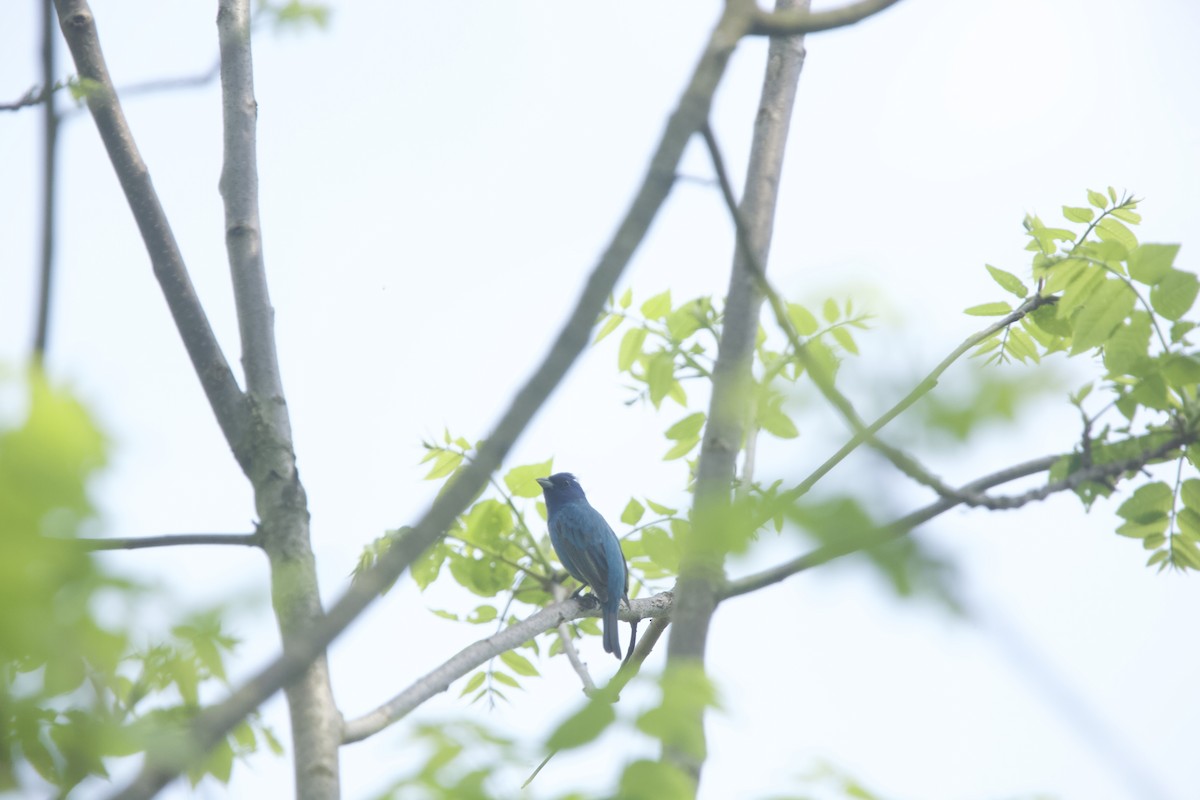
point(50, 122)
point(802, 20)
point(170, 540)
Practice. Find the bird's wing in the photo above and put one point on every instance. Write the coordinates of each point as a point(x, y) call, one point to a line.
point(581, 538)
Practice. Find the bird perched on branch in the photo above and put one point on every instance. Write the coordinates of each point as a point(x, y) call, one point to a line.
point(590, 551)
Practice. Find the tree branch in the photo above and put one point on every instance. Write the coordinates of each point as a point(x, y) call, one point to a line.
point(801, 20)
point(689, 115)
point(226, 399)
point(472, 656)
point(702, 565)
point(50, 122)
point(169, 540)
point(279, 496)
point(569, 649)
point(969, 494)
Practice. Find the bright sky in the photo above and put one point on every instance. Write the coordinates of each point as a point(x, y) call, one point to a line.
point(436, 181)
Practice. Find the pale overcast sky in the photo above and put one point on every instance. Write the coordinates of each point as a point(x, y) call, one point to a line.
point(436, 181)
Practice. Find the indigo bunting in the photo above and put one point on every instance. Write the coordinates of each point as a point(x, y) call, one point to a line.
point(590, 551)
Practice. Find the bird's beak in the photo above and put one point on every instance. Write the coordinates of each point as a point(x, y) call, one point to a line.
point(544, 483)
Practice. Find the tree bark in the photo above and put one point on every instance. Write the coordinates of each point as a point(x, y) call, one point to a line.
point(701, 574)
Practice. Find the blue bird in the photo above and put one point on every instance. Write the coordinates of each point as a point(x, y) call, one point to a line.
point(589, 549)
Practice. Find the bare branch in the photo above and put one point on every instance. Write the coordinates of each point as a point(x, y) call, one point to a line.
point(32, 97)
point(226, 399)
point(790, 23)
point(50, 123)
point(279, 496)
point(169, 540)
point(480, 652)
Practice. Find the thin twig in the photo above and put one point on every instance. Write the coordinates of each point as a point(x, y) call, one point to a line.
point(50, 123)
point(169, 540)
point(790, 23)
point(568, 645)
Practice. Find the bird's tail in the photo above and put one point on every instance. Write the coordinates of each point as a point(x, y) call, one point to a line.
point(612, 639)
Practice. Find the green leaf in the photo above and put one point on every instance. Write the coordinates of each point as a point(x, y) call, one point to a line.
point(681, 448)
point(1150, 263)
point(657, 307)
point(1008, 282)
point(1097, 199)
point(688, 427)
point(997, 309)
point(428, 565)
point(506, 679)
point(1021, 346)
point(583, 726)
point(1174, 295)
point(1149, 503)
point(1180, 330)
point(830, 310)
point(660, 376)
point(685, 320)
point(633, 512)
point(1189, 493)
point(611, 324)
point(474, 683)
point(656, 780)
point(1141, 530)
point(1128, 348)
point(661, 548)
point(1181, 370)
point(802, 319)
point(631, 348)
point(482, 614)
point(445, 463)
point(519, 663)
point(626, 298)
point(1101, 315)
point(1126, 213)
point(659, 508)
point(843, 337)
point(1078, 214)
point(522, 480)
point(1110, 230)
point(775, 422)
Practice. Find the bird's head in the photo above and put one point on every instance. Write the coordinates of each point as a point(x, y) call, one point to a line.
point(560, 488)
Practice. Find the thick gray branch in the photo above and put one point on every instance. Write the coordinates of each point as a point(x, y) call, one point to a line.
point(279, 495)
point(701, 573)
point(226, 399)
